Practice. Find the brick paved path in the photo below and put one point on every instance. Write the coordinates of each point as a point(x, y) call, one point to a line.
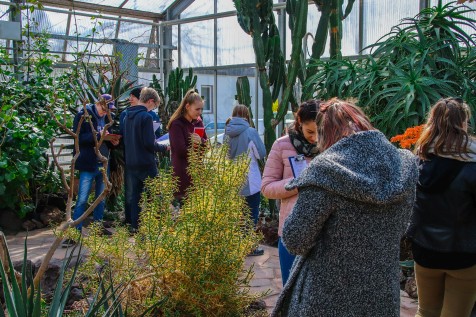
point(267, 275)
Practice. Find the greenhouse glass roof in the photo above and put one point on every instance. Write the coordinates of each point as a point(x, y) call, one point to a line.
point(157, 6)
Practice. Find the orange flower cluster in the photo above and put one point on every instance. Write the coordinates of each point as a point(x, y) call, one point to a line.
point(409, 137)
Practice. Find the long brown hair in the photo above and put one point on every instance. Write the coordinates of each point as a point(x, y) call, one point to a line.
point(445, 132)
point(337, 119)
point(190, 97)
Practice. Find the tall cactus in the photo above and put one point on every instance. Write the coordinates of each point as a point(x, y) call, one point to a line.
point(243, 93)
point(256, 18)
point(330, 22)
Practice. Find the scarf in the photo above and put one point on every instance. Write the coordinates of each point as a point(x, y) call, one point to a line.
point(301, 145)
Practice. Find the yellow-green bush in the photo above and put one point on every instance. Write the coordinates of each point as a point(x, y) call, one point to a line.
point(191, 261)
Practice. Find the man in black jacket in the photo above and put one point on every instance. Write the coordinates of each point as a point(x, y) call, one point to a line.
point(139, 152)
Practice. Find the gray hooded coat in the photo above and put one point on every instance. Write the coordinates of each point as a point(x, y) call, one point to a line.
point(242, 138)
point(354, 202)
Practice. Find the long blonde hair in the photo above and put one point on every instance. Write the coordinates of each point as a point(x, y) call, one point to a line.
point(190, 97)
point(444, 131)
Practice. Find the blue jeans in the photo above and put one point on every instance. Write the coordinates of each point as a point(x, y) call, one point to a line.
point(134, 186)
point(253, 202)
point(286, 260)
point(85, 183)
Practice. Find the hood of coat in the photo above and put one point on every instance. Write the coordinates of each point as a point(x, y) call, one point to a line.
point(133, 111)
point(236, 126)
point(364, 167)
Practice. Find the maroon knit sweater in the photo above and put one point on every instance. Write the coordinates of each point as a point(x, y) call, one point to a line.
point(179, 136)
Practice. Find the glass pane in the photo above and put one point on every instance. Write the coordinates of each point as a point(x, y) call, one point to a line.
point(133, 32)
point(56, 45)
point(146, 78)
point(44, 21)
point(197, 44)
point(3, 13)
point(157, 6)
point(198, 8)
point(225, 5)
point(92, 27)
point(226, 88)
point(94, 52)
point(380, 16)
point(175, 54)
point(236, 49)
point(142, 54)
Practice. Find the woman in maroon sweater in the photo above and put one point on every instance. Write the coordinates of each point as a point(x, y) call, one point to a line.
point(182, 136)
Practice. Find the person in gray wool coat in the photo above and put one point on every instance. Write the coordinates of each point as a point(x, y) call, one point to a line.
point(354, 203)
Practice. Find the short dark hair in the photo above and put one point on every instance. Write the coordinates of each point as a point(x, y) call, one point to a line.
point(136, 92)
point(307, 112)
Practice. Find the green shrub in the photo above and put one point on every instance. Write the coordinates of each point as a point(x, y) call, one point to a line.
point(190, 261)
point(26, 127)
point(418, 62)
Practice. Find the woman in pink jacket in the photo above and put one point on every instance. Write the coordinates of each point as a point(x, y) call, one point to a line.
point(301, 140)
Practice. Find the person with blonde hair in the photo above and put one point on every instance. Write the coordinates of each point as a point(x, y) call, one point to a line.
point(353, 206)
point(242, 138)
point(443, 224)
point(182, 137)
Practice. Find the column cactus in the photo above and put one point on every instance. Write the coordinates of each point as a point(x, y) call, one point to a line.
point(243, 93)
point(256, 18)
point(330, 22)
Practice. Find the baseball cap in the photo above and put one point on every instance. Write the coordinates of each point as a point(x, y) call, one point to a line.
point(136, 92)
point(108, 97)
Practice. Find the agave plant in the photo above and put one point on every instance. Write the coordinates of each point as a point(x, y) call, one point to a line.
point(421, 60)
point(22, 299)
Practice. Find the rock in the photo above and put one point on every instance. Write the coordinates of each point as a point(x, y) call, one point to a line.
point(256, 308)
point(10, 222)
point(18, 266)
point(51, 215)
point(411, 287)
point(28, 225)
point(50, 277)
point(38, 224)
point(75, 294)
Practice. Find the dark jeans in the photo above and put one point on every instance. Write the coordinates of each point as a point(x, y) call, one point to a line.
point(134, 186)
point(286, 261)
point(253, 202)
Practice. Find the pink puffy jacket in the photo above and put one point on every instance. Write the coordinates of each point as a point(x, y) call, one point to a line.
point(277, 173)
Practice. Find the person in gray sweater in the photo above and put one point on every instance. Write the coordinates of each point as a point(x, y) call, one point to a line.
point(355, 199)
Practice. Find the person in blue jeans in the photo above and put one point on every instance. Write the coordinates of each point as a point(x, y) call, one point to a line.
point(244, 139)
point(88, 163)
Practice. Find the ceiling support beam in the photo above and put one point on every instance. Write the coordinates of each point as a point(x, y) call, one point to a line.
point(91, 7)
